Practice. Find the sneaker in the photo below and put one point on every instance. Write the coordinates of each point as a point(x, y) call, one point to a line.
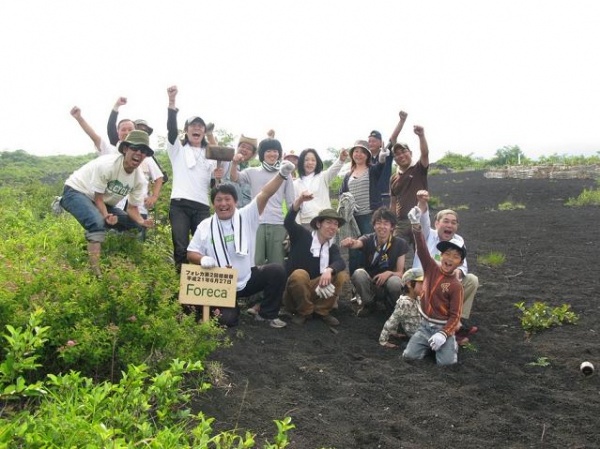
point(253, 310)
point(356, 299)
point(56, 207)
point(275, 322)
point(330, 320)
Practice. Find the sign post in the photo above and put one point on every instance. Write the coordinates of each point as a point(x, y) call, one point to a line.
point(206, 287)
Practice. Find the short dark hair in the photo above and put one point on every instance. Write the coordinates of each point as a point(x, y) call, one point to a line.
point(225, 189)
point(319, 166)
point(383, 213)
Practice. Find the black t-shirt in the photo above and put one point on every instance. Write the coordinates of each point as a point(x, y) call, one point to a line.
point(379, 261)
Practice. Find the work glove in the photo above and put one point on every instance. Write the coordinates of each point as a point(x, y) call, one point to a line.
point(286, 168)
point(437, 340)
point(329, 290)
point(383, 154)
point(208, 262)
point(319, 292)
point(414, 215)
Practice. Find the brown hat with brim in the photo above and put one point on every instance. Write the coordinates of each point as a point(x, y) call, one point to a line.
point(138, 140)
point(327, 214)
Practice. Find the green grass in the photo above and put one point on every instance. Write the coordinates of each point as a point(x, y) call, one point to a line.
point(509, 205)
point(492, 259)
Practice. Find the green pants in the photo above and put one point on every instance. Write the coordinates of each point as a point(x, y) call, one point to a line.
point(269, 244)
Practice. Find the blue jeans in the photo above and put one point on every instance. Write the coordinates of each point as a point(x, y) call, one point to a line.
point(418, 345)
point(87, 214)
point(356, 259)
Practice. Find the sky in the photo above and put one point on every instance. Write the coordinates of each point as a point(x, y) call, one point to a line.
point(477, 75)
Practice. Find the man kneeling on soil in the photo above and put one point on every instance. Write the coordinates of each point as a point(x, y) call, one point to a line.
point(446, 226)
point(441, 300)
point(92, 192)
point(228, 239)
point(315, 266)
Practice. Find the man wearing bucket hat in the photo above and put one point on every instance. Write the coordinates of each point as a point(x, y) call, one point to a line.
point(383, 254)
point(92, 192)
point(246, 151)
point(152, 171)
point(316, 270)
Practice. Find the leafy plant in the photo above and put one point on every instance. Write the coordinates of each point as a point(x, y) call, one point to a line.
point(492, 259)
point(586, 198)
point(541, 316)
point(541, 361)
point(509, 205)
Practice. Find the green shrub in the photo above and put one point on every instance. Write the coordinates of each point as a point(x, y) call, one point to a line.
point(540, 316)
point(586, 198)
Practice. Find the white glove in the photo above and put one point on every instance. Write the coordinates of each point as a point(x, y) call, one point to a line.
point(414, 215)
point(286, 168)
point(437, 340)
point(329, 290)
point(319, 292)
point(383, 154)
point(208, 262)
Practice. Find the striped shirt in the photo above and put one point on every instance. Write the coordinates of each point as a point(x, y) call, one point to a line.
point(359, 188)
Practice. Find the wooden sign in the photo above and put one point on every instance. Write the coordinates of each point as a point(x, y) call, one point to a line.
point(215, 287)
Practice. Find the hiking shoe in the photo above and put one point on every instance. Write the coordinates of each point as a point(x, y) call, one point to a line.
point(330, 320)
point(275, 322)
point(299, 319)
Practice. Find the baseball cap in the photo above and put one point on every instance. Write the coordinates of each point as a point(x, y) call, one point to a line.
point(453, 243)
point(414, 274)
point(375, 134)
point(194, 119)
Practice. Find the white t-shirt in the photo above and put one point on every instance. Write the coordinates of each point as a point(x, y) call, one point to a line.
point(202, 242)
point(149, 167)
point(106, 175)
point(192, 172)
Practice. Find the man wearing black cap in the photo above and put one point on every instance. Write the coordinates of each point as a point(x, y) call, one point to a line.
point(92, 192)
point(375, 145)
point(192, 174)
point(315, 267)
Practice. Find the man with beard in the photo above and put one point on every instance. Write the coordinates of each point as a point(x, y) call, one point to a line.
point(315, 267)
point(227, 239)
point(92, 192)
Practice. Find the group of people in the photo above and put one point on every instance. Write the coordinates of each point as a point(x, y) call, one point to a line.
point(274, 223)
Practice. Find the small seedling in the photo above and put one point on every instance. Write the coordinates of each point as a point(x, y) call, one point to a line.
point(469, 347)
point(509, 205)
point(492, 259)
point(541, 361)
